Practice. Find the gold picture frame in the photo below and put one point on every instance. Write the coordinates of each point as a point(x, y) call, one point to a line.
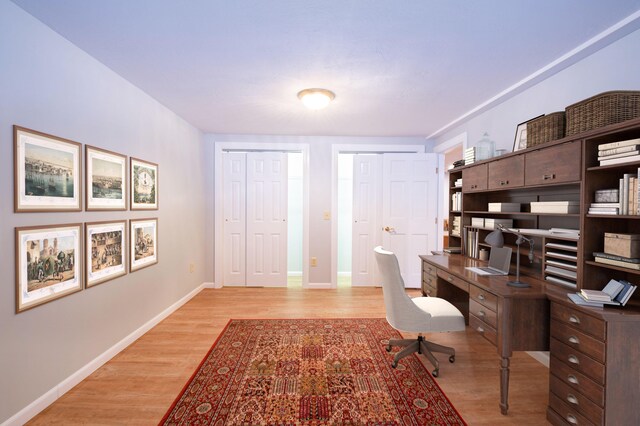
point(145, 187)
point(105, 251)
point(143, 243)
point(106, 185)
point(48, 263)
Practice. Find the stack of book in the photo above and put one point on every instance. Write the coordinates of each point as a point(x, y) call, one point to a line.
point(604, 208)
point(470, 155)
point(458, 163)
point(615, 260)
point(555, 207)
point(458, 183)
point(619, 152)
point(614, 293)
point(456, 226)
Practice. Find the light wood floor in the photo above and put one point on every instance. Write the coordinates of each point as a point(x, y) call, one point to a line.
point(139, 384)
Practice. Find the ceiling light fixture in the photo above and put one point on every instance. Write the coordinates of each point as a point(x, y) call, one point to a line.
point(316, 98)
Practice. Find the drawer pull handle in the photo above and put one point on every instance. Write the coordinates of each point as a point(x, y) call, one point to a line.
point(480, 330)
point(574, 340)
point(574, 319)
point(481, 297)
point(482, 314)
point(572, 399)
point(547, 177)
point(572, 419)
point(573, 359)
point(573, 379)
point(504, 182)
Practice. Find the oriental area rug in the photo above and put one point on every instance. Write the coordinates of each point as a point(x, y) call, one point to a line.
point(309, 372)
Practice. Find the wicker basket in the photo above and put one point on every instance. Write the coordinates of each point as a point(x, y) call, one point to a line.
point(545, 129)
point(602, 110)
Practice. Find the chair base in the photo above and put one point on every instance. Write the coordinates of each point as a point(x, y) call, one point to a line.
point(421, 346)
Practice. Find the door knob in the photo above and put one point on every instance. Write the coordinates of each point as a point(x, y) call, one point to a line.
point(389, 229)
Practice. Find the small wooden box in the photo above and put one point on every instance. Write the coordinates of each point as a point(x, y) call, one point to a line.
point(625, 245)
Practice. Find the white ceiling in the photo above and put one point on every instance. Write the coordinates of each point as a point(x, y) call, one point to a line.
point(398, 67)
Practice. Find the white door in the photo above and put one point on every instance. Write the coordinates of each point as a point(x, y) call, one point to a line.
point(234, 184)
point(410, 210)
point(266, 245)
point(367, 200)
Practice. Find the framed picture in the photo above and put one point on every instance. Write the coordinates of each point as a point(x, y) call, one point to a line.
point(106, 179)
point(143, 243)
point(48, 263)
point(105, 251)
point(46, 172)
point(144, 185)
point(520, 141)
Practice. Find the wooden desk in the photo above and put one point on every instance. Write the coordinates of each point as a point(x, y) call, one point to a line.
point(512, 319)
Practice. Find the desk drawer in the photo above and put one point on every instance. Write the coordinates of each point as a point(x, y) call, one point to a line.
point(576, 380)
point(483, 313)
point(429, 288)
point(570, 415)
point(576, 339)
point(484, 329)
point(484, 298)
point(429, 269)
point(579, 320)
point(461, 284)
point(576, 400)
point(579, 361)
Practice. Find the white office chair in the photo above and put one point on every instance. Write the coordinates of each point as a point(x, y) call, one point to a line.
point(415, 315)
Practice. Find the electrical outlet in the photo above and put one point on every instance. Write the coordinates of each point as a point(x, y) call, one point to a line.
point(192, 268)
point(314, 261)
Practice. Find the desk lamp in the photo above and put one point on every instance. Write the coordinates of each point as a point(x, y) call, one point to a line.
point(521, 239)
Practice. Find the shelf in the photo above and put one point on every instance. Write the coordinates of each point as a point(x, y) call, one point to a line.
point(613, 166)
point(615, 268)
point(455, 187)
point(455, 211)
point(613, 216)
point(522, 213)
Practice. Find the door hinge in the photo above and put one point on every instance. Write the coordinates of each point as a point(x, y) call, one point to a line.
point(437, 170)
point(436, 220)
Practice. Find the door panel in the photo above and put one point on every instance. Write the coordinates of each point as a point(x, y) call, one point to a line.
point(367, 192)
point(409, 210)
point(235, 182)
point(267, 219)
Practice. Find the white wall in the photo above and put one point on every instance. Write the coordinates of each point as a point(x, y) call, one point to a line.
point(50, 85)
point(320, 183)
point(612, 68)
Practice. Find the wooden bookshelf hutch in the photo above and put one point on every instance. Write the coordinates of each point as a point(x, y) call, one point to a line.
point(595, 353)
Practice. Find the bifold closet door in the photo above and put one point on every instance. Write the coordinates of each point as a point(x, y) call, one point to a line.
point(367, 199)
point(410, 210)
point(266, 243)
point(235, 220)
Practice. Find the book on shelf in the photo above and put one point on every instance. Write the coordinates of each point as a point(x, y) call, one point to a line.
point(618, 155)
point(555, 207)
point(621, 160)
point(628, 265)
point(618, 144)
point(453, 250)
point(616, 257)
point(575, 298)
point(608, 293)
point(625, 294)
point(601, 302)
point(504, 207)
point(619, 150)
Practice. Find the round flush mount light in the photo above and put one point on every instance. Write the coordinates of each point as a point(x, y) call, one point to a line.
point(316, 98)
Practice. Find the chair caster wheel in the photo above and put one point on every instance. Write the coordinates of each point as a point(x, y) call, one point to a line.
point(388, 348)
point(394, 364)
point(452, 359)
point(434, 373)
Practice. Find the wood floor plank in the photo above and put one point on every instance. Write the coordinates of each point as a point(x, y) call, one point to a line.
point(139, 384)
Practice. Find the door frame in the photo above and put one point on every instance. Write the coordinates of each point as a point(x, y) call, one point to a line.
point(336, 150)
point(219, 191)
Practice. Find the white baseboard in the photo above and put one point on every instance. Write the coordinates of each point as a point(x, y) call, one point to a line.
point(542, 357)
point(210, 285)
point(31, 410)
point(318, 285)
